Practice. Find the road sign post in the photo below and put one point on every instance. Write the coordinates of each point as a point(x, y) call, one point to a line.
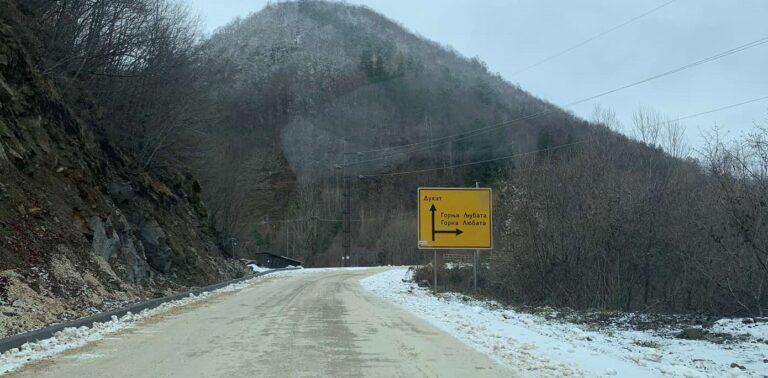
point(475, 257)
point(434, 269)
point(455, 218)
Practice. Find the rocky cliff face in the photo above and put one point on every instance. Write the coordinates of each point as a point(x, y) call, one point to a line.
point(81, 229)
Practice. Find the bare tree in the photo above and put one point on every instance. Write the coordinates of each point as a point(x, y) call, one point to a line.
point(741, 173)
point(674, 139)
point(606, 117)
point(647, 125)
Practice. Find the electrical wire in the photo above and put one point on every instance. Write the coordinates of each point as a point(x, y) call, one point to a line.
point(590, 39)
point(474, 162)
point(473, 133)
point(297, 220)
point(710, 111)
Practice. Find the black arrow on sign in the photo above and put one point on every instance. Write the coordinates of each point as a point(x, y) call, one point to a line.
point(456, 232)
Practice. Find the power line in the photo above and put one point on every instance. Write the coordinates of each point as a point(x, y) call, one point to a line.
point(723, 54)
point(469, 134)
point(352, 220)
point(561, 146)
point(473, 133)
point(330, 220)
point(458, 137)
point(722, 108)
point(297, 220)
point(474, 162)
point(314, 218)
point(284, 221)
point(710, 111)
point(590, 39)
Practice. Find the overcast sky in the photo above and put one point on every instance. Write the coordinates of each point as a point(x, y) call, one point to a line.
point(510, 35)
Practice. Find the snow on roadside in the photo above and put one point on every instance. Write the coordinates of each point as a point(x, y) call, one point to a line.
point(757, 331)
point(257, 269)
point(71, 338)
point(554, 348)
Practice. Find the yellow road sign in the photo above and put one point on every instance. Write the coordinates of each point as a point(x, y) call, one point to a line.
point(455, 218)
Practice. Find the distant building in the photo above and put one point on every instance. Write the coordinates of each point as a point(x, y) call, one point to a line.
point(272, 261)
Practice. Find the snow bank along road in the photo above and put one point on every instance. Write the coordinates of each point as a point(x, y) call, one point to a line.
point(539, 346)
point(303, 323)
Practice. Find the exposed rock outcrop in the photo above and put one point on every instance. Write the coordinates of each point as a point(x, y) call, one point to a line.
point(156, 246)
point(81, 228)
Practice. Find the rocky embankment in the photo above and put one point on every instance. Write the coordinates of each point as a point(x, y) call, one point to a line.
point(81, 228)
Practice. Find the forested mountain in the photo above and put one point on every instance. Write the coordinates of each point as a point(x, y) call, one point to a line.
point(293, 87)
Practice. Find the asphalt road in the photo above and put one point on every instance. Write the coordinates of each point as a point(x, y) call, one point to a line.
point(318, 324)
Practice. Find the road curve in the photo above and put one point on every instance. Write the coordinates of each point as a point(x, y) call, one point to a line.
point(308, 324)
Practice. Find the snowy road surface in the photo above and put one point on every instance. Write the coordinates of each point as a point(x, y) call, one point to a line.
point(314, 323)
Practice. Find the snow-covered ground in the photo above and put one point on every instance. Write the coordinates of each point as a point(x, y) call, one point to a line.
point(71, 338)
point(257, 269)
point(544, 347)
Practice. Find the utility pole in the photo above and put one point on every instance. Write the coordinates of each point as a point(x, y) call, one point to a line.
point(347, 220)
point(347, 241)
point(234, 244)
point(315, 237)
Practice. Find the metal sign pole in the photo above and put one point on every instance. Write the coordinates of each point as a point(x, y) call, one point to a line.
point(434, 268)
point(474, 268)
point(475, 258)
point(455, 218)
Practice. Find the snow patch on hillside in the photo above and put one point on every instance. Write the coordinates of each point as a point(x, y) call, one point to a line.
point(555, 348)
